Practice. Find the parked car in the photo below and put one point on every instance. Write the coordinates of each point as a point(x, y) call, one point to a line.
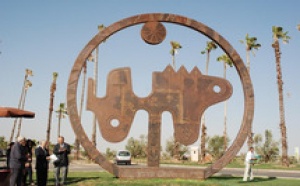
point(123, 156)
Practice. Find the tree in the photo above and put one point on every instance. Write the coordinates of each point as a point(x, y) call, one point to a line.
point(52, 91)
point(76, 143)
point(62, 112)
point(172, 146)
point(250, 44)
point(226, 61)
point(3, 142)
point(137, 147)
point(268, 149)
point(28, 73)
point(110, 153)
point(144, 144)
point(216, 146)
point(279, 34)
point(210, 45)
point(175, 47)
point(94, 130)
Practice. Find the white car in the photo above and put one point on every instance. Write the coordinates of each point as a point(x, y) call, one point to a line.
point(123, 156)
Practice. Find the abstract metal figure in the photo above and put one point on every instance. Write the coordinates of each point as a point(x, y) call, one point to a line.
point(185, 94)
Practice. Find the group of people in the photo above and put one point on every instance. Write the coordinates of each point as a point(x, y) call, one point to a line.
point(19, 161)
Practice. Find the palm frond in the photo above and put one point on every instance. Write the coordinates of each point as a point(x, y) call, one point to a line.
point(224, 58)
point(54, 75)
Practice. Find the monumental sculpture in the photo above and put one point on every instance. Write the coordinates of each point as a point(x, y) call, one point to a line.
point(186, 95)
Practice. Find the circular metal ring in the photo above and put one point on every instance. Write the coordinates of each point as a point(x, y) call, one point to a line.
point(170, 18)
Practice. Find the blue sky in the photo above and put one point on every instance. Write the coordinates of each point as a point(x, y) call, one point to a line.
point(47, 36)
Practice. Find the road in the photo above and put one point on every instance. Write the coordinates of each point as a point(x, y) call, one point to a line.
point(238, 172)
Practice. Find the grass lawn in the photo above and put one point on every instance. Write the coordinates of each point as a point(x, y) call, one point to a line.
point(103, 178)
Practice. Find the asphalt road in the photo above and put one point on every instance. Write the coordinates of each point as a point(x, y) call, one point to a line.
point(238, 172)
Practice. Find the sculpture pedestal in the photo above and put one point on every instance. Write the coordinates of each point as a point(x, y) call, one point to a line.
point(162, 172)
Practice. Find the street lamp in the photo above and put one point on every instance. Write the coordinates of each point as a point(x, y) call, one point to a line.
point(28, 72)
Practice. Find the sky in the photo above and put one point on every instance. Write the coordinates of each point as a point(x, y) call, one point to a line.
point(47, 37)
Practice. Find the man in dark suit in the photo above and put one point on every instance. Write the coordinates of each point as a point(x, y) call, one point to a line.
point(42, 164)
point(61, 150)
point(17, 161)
point(8, 153)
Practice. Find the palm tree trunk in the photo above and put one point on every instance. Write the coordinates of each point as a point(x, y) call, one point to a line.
point(52, 90)
point(173, 62)
point(207, 62)
point(225, 126)
point(282, 125)
point(202, 145)
point(250, 136)
point(58, 127)
point(95, 93)
point(77, 143)
point(203, 128)
point(248, 60)
point(225, 115)
point(20, 120)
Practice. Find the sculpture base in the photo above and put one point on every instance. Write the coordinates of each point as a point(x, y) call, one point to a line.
point(160, 172)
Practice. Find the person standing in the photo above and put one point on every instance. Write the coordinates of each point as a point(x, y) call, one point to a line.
point(8, 153)
point(42, 164)
point(17, 161)
point(249, 164)
point(61, 150)
point(28, 164)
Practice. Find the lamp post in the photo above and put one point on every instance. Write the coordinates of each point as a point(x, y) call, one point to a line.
point(28, 72)
point(28, 84)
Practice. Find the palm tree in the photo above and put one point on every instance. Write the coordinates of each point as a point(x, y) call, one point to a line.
point(100, 28)
point(77, 143)
point(226, 61)
point(28, 72)
point(279, 34)
point(250, 44)
point(62, 112)
point(175, 47)
point(52, 91)
point(210, 45)
point(28, 84)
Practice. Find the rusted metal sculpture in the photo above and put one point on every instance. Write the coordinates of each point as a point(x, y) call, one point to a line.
point(185, 94)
